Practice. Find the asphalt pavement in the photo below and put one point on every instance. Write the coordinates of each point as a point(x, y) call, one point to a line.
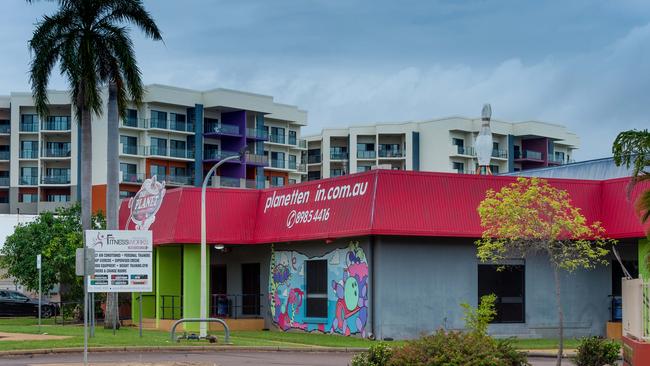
point(222, 358)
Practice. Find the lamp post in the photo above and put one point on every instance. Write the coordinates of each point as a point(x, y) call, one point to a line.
point(203, 308)
point(484, 142)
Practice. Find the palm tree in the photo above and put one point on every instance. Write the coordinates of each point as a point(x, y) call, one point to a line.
point(91, 44)
point(632, 148)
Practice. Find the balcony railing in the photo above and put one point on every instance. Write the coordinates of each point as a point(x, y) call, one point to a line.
point(302, 168)
point(229, 182)
point(276, 163)
point(257, 159)
point(278, 139)
point(29, 154)
point(220, 128)
point(157, 150)
point(28, 126)
point(181, 153)
point(218, 154)
point(257, 133)
point(185, 180)
point(56, 125)
point(292, 165)
point(4, 181)
point(131, 177)
point(158, 123)
point(462, 150)
point(28, 180)
point(5, 127)
point(4, 155)
point(55, 179)
point(55, 153)
point(314, 159)
point(133, 150)
point(297, 142)
point(529, 154)
point(134, 122)
point(338, 156)
point(181, 126)
point(366, 154)
point(496, 153)
point(390, 154)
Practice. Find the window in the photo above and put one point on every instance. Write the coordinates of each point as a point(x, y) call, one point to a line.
point(29, 149)
point(129, 145)
point(559, 156)
point(158, 146)
point(495, 146)
point(336, 172)
point(277, 159)
point(28, 197)
point(292, 181)
point(458, 167)
point(277, 181)
point(158, 119)
point(131, 118)
point(58, 198)
point(29, 123)
point(363, 168)
point(158, 170)
point(177, 148)
point(292, 137)
point(277, 135)
point(316, 289)
point(508, 285)
point(313, 156)
point(458, 142)
point(126, 194)
point(292, 161)
point(389, 150)
point(494, 169)
point(178, 171)
point(313, 175)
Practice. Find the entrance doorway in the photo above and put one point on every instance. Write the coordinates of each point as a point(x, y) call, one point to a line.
point(250, 288)
point(219, 302)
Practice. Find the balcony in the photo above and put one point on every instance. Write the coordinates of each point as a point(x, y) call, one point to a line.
point(133, 122)
point(298, 142)
point(338, 156)
point(302, 168)
point(178, 180)
point(28, 126)
point(390, 154)
point(5, 155)
point(28, 154)
point(501, 154)
point(55, 179)
point(256, 159)
point(276, 163)
point(131, 177)
point(181, 126)
point(5, 127)
point(229, 182)
point(157, 150)
point(55, 153)
point(133, 150)
point(4, 181)
point(56, 124)
point(257, 134)
point(277, 139)
point(314, 159)
point(158, 123)
point(28, 180)
point(216, 128)
point(216, 155)
point(462, 150)
point(366, 154)
point(529, 155)
point(181, 153)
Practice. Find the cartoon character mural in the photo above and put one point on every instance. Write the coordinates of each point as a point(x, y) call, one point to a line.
point(347, 271)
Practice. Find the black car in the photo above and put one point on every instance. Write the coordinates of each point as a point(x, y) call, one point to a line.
point(13, 303)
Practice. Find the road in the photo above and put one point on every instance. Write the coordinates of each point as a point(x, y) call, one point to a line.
point(225, 358)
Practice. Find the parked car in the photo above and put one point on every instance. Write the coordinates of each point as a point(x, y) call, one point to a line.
point(13, 303)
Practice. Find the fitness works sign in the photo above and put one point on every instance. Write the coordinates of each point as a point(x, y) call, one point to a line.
point(317, 208)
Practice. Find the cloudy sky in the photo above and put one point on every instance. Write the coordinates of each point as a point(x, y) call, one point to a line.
point(582, 63)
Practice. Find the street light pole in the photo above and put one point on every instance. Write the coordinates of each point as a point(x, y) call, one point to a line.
point(203, 309)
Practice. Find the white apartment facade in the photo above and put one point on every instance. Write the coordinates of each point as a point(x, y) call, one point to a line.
point(39, 158)
point(441, 145)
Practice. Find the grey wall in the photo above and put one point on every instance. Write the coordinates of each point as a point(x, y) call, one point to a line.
point(421, 282)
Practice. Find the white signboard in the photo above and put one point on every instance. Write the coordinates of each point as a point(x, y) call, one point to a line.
point(122, 260)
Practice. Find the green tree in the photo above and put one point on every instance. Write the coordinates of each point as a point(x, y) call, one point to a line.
point(530, 218)
point(91, 43)
point(55, 236)
point(632, 149)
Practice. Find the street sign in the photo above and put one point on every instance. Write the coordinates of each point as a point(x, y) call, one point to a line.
point(38, 261)
point(123, 260)
point(87, 268)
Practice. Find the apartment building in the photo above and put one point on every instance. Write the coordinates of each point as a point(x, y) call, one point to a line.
point(441, 145)
point(176, 134)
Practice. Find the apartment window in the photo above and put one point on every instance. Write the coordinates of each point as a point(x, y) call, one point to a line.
point(277, 159)
point(177, 148)
point(57, 149)
point(58, 198)
point(293, 140)
point(292, 161)
point(458, 167)
point(129, 171)
point(336, 172)
point(495, 146)
point(494, 169)
point(277, 181)
point(131, 118)
point(129, 144)
point(507, 282)
point(559, 156)
point(277, 135)
point(158, 119)
point(158, 146)
point(316, 288)
point(313, 156)
point(366, 151)
point(29, 123)
point(158, 170)
point(28, 197)
point(29, 175)
point(177, 122)
point(314, 175)
point(178, 171)
point(363, 168)
point(29, 149)
point(389, 150)
point(458, 142)
point(126, 194)
point(211, 151)
point(517, 151)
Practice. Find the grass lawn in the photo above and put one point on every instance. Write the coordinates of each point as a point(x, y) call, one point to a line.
point(129, 336)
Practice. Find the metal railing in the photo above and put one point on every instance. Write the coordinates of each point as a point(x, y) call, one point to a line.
point(55, 179)
point(391, 154)
point(338, 156)
point(28, 181)
point(278, 139)
point(529, 154)
point(218, 154)
point(5, 155)
point(133, 150)
point(181, 153)
point(236, 306)
point(28, 154)
point(132, 177)
point(314, 159)
point(181, 126)
point(496, 153)
point(257, 159)
point(185, 180)
point(366, 154)
point(55, 153)
point(5, 127)
point(257, 133)
point(158, 123)
point(133, 122)
point(157, 150)
point(28, 127)
point(220, 128)
point(276, 163)
point(229, 182)
point(56, 125)
point(462, 150)
point(297, 142)
point(226, 329)
point(4, 181)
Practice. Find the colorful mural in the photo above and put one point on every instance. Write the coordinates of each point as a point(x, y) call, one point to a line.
point(347, 272)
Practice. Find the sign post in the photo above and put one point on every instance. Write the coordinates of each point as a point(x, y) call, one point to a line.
point(38, 266)
point(85, 266)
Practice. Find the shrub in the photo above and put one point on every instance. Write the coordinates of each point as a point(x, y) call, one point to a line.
point(478, 319)
point(457, 349)
point(377, 355)
point(594, 351)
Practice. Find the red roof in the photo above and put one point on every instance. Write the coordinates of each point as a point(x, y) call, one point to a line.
point(379, 202)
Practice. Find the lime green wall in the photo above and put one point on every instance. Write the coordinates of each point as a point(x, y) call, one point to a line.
point(192, 283)
point(644, 259)
point(168, 281)
point(148, 298)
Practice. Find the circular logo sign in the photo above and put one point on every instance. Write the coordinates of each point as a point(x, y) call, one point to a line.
point(146, 203)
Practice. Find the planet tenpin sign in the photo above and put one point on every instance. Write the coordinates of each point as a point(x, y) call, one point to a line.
point(146, 203)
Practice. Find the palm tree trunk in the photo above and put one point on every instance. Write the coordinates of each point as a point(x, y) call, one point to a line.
point(560, 314)
point(112, 191)
point(86, 169)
